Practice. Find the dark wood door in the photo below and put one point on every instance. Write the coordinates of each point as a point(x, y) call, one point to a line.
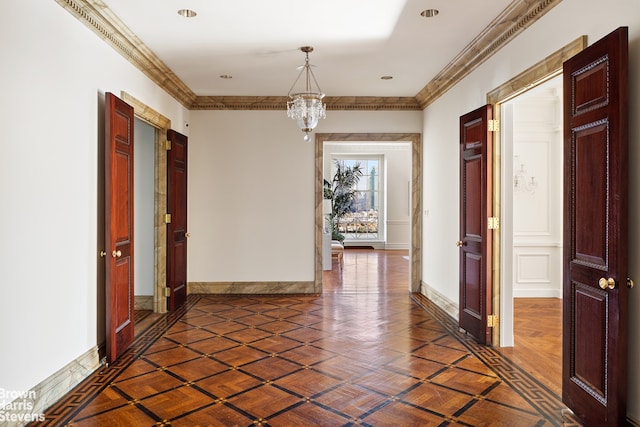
point(594, 382)
point(177, 228)
point(475, 210)
point(118, 225)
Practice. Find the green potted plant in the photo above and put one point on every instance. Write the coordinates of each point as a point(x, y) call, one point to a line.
point(342, 193)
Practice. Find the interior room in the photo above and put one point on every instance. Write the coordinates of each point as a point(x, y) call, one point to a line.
point(254, 212)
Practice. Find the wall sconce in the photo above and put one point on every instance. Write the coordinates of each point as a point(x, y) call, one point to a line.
point(521, 181)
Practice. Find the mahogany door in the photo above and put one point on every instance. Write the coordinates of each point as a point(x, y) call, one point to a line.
point(475, 210)
point(118, 225)
point(177, 228)
point(595, 290)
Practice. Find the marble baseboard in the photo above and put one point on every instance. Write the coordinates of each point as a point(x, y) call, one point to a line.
point(448, 306)
point(143, 302)
point(252, 288)
point(32, 403)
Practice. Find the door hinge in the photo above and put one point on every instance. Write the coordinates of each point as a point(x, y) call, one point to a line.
point(167, 218)
point(166, 292)
point(493, 125)
point(167, 145)
point(493, 223)
point(492, 321)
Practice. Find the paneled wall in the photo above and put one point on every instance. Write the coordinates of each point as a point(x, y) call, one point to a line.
point(537, 204)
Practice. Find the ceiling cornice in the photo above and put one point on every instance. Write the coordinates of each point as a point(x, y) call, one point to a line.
point(345, 103)
point(98, 17)
point(518, 16)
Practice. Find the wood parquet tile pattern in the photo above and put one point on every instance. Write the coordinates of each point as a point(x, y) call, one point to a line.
point(366, 358)
point(538, 339)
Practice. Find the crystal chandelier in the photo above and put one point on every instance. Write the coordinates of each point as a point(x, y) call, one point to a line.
point(306, 107)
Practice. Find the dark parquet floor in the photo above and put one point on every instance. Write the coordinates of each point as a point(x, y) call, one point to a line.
point(364, 353)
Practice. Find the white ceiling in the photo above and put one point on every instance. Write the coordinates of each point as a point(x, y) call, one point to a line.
point(257, 42)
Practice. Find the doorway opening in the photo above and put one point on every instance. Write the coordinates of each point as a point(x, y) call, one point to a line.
point(143, 224)
point(159, 125)
point(415, 196)
point(380, 215)
point(532, 157)
point(527, 248)
point(144, 137)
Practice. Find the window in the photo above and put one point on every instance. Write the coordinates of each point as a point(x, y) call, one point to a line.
point(364, 222)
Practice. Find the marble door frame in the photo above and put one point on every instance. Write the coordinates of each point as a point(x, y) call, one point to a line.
point(415, 252)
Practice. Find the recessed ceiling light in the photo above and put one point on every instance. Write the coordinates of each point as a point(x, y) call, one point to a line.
point(226, 76)
point(429, 13)
point(386, 77)
point(187, 13)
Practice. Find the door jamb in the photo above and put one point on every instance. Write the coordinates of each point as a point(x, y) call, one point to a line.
point(537, 74)
point(161, 124)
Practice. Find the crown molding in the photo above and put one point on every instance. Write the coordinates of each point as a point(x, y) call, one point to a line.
point(519, 15)
point(99, 18)
point(344, 103)
point(372, 103)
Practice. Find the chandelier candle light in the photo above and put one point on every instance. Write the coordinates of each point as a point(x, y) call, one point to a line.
point(521, 180)
point(306, 107)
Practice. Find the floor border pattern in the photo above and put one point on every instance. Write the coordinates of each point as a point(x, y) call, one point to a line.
point(533, 391)
point(547, 403)
point(66, 408)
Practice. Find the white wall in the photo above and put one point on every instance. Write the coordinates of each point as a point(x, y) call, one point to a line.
point(54, 77)
point(251, 191)
point(398, 202)
point(441, 135)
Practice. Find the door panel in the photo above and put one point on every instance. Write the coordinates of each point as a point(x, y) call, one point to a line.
point(594, 383)
point(475, 238)
point(590, 190)
point(177, 228)
point(119, 225)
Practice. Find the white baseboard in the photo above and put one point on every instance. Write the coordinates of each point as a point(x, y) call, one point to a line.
point(537, 293)
point(377, 245)
point(396, 246)
point(633, 422)
point(364, 243)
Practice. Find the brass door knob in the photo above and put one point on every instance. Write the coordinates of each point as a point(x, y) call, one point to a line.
point(459, 243)
point(630, 283)
point(607, 283)
point(187, 235)
point(116, 254)
point(103, 254)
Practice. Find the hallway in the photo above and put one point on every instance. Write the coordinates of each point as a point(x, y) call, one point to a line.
point(364, 353)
